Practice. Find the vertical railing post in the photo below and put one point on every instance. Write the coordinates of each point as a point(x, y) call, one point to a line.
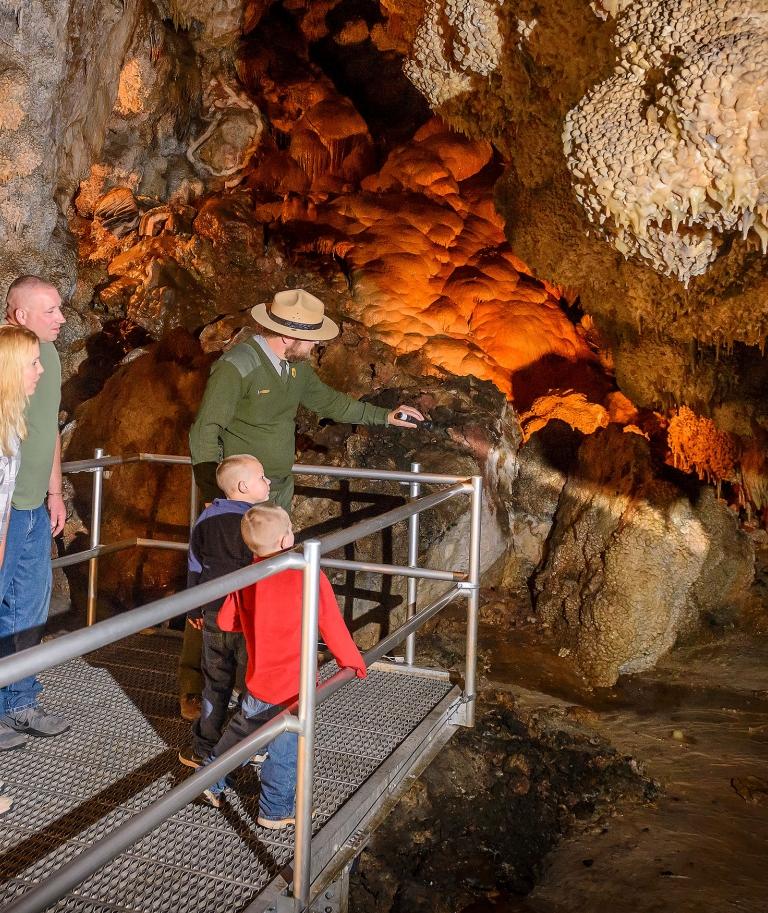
point(193, 502)
point(413, 561)
point(93, 563)
point(306, 758)
point(473, 601)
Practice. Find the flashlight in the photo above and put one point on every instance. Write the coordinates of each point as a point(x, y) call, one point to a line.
point(426, 425)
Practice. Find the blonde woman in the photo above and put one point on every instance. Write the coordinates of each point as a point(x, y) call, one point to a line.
point(20, 369)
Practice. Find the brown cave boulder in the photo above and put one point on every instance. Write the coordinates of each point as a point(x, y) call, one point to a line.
point(633, 560)
point(146, 406)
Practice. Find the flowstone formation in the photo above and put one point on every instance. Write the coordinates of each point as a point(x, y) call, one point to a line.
point(415, 236)
point(669, 153)
point(429, 267)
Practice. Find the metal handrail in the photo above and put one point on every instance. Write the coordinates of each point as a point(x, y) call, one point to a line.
point(69, 646)
point(85, 640)
point(99, 462)
point(298, 469)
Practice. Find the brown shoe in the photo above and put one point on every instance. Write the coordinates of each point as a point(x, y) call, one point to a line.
point(190, 706)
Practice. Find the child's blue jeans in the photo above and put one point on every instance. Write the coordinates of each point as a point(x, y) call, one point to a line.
point(278, 772)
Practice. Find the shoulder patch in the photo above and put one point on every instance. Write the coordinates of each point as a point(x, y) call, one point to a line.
point(243, 357)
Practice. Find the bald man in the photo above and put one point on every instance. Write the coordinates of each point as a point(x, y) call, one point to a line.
point(37, 513)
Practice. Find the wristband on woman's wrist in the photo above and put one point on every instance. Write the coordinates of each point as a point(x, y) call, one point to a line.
point(50, 493)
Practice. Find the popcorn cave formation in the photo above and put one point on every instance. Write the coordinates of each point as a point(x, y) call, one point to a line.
point(669, 152)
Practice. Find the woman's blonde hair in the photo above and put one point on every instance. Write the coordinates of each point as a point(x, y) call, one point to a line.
point(16, 345)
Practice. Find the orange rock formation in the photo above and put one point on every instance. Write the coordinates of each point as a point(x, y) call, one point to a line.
point(429, 267)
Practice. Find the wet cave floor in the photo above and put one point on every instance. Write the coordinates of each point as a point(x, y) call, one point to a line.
point(650, 796)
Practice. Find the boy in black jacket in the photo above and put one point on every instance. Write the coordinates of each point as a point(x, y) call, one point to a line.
point(216, 548)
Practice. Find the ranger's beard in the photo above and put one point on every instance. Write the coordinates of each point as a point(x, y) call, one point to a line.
point(294, 353)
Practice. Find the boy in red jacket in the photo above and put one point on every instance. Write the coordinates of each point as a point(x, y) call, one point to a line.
point(269, 615)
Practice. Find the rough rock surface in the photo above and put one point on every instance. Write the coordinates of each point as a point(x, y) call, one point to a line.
point(543, 463)
point(633, 561)
point(204, 183)
point(146, 405)
point(58, 81)
point(474, 830)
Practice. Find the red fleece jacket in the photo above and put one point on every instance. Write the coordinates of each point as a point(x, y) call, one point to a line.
point(269, 615)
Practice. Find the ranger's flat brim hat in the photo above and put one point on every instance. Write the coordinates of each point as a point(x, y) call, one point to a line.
point(298, 314)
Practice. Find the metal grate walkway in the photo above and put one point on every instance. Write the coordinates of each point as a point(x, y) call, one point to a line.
point(121, 753)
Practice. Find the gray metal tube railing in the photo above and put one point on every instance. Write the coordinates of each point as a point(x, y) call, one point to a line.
point(79, 557)
point(61, 649)
point(373, 475)
point(75, 644)
point(391, 570)
point(397, 637)
point(413, 560)
point(171, 544)
point(343, 537)
point(298, 469)
point(306, 755)
point(69, 646)
point(99, 462)
point(473, 601)
point(194, 504)
point(93, 563)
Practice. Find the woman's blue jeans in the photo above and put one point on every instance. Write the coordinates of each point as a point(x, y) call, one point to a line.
point(25, 595)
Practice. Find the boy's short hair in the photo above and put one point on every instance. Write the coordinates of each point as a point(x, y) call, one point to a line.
point(229, 469)
point(264, 525)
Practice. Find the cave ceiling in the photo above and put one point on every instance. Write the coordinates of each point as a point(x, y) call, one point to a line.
point(569, 199)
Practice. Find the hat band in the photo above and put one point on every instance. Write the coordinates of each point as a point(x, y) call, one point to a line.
point(294, 325)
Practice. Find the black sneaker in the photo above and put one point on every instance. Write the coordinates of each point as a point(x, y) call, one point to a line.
point(190, 758)
point(36, 721)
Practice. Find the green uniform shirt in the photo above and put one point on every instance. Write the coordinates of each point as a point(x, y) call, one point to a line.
point(37, 449)
point(247, 408)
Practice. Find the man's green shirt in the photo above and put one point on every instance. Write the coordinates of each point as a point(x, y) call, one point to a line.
point(37, 449)
point(248, 408)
